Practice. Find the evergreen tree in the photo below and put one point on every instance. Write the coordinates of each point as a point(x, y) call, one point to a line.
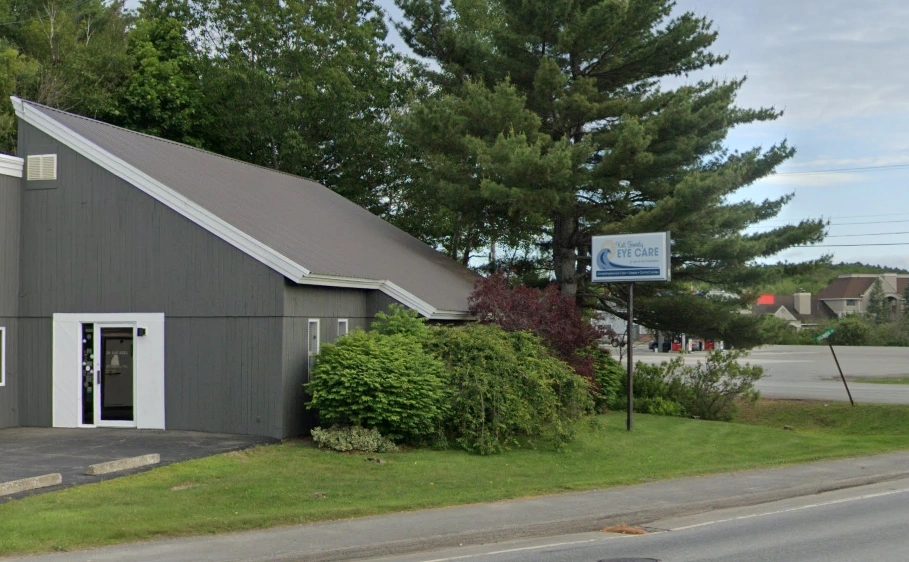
point(906, 303)
point(878, 310)
point(624, 151)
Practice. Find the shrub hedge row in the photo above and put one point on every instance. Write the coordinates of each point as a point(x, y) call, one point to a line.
point(476, 386)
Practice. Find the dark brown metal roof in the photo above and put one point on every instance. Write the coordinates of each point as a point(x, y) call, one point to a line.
point(820, 312)
point(298, 218)
point(847, 288)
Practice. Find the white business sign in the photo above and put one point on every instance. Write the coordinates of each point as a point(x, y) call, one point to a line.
point(626, 258)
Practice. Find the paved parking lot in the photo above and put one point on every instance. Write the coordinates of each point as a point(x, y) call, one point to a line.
point(809, 372)
point(31, 451)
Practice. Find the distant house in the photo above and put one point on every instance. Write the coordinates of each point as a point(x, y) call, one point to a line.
point(801, 310)
point(847, 294)
point(850, 294)
point(149, 284)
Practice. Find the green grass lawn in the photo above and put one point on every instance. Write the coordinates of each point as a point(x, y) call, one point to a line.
point(904, 379)
point(295, 483)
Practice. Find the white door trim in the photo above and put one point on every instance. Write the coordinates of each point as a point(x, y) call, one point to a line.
point(148, 387)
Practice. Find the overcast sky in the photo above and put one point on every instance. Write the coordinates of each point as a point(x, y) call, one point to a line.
point(839, 71)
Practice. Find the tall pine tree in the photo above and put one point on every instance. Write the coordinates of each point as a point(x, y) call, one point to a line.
point(638, 155)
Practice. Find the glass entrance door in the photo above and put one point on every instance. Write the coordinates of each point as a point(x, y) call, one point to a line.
point(115, 377)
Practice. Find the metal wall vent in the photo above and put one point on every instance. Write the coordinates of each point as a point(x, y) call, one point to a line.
point(41, 167)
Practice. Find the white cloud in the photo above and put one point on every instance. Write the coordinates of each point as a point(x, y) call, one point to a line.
point(815, 59)
point(796, 181)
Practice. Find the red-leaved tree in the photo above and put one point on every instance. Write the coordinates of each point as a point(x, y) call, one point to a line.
point(556, 319)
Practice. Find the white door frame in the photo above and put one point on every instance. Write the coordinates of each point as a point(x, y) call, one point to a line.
point(148, 361)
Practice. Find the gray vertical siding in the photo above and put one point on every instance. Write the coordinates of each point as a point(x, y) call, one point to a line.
point(10, 198)
point(327, 304)
point(33, 380)
point(224, 379)
point(9, 396)
point(97, 244)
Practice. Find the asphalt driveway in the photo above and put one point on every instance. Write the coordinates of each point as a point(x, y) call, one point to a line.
point(32, 451)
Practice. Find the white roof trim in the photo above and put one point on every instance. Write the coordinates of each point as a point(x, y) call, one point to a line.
point(167, 196)
point(10, 166)
point(214, 224)
point(389, 288)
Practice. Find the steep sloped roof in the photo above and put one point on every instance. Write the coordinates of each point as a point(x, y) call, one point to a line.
point(847, 288)
point(296, 226)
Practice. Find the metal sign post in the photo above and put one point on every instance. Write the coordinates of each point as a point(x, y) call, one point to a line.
point(823, 337)
point(628, 258)
point(629, 418)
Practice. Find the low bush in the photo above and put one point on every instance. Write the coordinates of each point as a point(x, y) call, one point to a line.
point(713, 388)
point(505, 387)
point(657, 389)
point(707, 390)
point(383, 382)
point(345, 439)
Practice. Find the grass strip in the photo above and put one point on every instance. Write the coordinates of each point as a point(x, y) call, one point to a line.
point(904, 379)
point(295, 483)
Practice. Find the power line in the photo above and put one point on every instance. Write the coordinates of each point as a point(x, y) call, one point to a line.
point(851, 245)
point(832, 217)
point(866, 234)
point(869, 222)
point(771, 227)
point(846, 170)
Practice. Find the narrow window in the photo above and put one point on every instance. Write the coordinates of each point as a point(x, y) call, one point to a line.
point(342, 327)
point(312, 347)
point(2, 356)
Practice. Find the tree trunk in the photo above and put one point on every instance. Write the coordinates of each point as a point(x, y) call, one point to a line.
point(564, 254)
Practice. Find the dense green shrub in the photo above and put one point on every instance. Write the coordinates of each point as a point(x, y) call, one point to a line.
point(344, 439)
point(609, 381)
point(850, 330)
point(506, 386)
point(704, 390)
point(384, 382)
point(657, 389)
point(891, 333)
point(401, 321)
point(778, 331)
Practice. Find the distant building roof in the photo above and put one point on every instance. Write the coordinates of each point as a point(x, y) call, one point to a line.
point(766, 300)
point(770, 304)
point(296, 226)
point(847, 287)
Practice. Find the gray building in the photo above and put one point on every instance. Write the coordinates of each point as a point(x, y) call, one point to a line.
point(149, 284)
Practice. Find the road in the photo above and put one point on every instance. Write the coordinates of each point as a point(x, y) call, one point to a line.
point(809, 372)
point(866, 523)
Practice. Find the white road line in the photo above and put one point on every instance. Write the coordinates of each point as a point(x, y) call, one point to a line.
point(683, 528)
point(791, 509)
point(522, 549)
